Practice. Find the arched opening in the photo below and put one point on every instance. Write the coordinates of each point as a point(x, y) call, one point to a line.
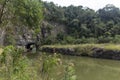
point(29, 46)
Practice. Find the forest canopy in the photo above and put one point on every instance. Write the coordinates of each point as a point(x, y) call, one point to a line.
point(83, 22)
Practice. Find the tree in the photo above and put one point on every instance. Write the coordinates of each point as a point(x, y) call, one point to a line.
point(4, 18)
point(2, 8)
point(53, 12)
point(29, 13)
point(109, 12)
point(21, 13)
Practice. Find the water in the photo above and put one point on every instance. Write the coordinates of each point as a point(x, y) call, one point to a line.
point(95, 69)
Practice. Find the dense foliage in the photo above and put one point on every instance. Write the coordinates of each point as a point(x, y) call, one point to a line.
point(15, 65)
point(17, 17)
point(83, 22)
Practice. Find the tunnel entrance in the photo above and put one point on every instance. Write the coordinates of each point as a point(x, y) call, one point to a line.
point(29, 46)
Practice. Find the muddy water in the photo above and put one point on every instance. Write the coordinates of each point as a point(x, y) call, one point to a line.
point(95, 69)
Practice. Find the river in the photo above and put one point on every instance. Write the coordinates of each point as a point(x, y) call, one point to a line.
point(95, 69)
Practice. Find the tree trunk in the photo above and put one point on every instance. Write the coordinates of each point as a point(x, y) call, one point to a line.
point(2, 36)
point(2, 10)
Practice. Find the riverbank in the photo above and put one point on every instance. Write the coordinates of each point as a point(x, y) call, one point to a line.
point(106, 51)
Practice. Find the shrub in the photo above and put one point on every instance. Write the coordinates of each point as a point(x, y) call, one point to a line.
point(103, 39)
point(69, 40)
point(116, 39)
point(15, 64)
point(48, 65)
point(60, 37)
point(69, 72)
point(9, 39)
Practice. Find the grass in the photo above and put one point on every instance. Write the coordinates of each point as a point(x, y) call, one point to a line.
point(104, 46)
point(33, 69)
point(15, 66)
point(1, 50)
point(83, 49)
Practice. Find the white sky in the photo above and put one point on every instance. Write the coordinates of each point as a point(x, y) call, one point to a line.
point(93, 4)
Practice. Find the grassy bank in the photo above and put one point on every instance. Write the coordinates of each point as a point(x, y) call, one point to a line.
point(108, 51)
point(105, 46)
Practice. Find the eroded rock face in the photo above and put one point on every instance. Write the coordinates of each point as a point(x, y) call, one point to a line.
point(17, 35)
point(24, 39)
point(21, 35)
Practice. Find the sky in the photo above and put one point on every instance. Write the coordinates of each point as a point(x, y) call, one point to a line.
point(93, 4)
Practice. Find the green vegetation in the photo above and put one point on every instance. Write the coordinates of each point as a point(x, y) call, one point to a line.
point(70, 72)
point(15, 65)
point(105, 46)
point(1, 50)
point(84, 25)
point(74, 30)
point(82, 49)
point(16, 18)
point(19, 17)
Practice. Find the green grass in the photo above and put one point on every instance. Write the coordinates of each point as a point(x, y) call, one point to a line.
point(83, 49)
point(104, 46)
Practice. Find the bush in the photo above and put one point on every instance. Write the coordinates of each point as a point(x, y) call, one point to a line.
point(49, 62)
point(60, 37)
point(9, 39)
point(69, 40)
point(69, 72)
point(16, 66)
point(105, 39)
point(116, 39)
